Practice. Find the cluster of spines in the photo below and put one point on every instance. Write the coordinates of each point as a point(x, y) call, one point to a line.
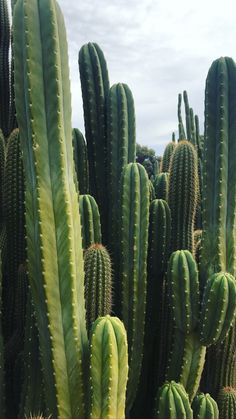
point(98, 283)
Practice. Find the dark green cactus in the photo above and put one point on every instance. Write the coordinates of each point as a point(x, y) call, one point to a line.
point(226, 401)
point(161, 184)
point(95, 88)
point(218, 250)
point(167, 156)
point(2, 169)
point(152, 194)
point(98, 283)
point(133, 236)
point(184, 290)
point(172, 402)
point(182, 135)
point(218, 308)
point(2, 360)
point(81, 160)
point(120, 151)
point(55, 256)
point(90, 221)
point(108, 368)
point(158, 253)
point(15, 220)
point(183, 195)
point(205, 407)
point(4, 67)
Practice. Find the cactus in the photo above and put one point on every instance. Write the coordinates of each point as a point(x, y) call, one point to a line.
point(152, 194)
point(167, 156)
point(182, 135)
point(184, 290)
point(55, 258)
point(120, 151)
point(133, 237)
point(227, 403)
point(95, 88)
point(2, 374)
point(172, 402)
point(90, 221)
point(158, 253)
point(4, 67)
point(81, 160)
point(218, 308)
point(161, 183)
point(98, 283)
point(15, 220)
point(2, 169)
point(205, 407)
point(108, 368)
point(183, 195)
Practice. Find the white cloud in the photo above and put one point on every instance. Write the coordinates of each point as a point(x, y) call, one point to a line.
point(158, 48)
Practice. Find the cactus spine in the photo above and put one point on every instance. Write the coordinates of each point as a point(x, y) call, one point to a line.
point(98, 283)
point(90, 221)
point(133, 265)
point(55, 258)
point(108, 368)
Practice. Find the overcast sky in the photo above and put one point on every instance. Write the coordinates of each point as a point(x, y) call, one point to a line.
point(159, 48)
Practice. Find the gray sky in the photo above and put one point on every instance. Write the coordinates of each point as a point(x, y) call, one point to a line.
point(159, 48)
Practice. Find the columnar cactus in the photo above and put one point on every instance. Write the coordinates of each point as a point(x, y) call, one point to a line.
point(55, 257)
point(218, 308)
point(172, 402)
point(90, 221)
point(183, 195)
point(2, 374)
point(227, 403)
point(161, 184)
point(2, 168)
point(120, 151)
point(81, 160)
point(167, 156)
point(98, 283)
point(4, 67)
point(218, 249)
point(95, 88)
point(205, 407)
point(133, 235)
point(108, 368)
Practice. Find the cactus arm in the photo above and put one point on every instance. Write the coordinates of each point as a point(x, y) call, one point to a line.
point(81, 160)
point(182, 135)
point(52, 213)
point(90, 221)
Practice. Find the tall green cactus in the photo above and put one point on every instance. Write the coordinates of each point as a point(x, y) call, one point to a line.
point(161, 184)
point(2, 169)
point(108, 368)
point(4, 67)
point(2, 360)
point(133, 236)
point(55, 258)
point(167, 156)
point(183, 195)
point(95, 88)
point(81, 160)
point(98, 283)
point(218, 250)
point(90, 221)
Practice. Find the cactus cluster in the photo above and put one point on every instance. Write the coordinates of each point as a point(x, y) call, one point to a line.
point(117, 292)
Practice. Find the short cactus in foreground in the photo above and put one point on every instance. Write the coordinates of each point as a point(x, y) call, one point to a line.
point(204, 407)
point(172, 402)
point(108, 368)
point(227, 403)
